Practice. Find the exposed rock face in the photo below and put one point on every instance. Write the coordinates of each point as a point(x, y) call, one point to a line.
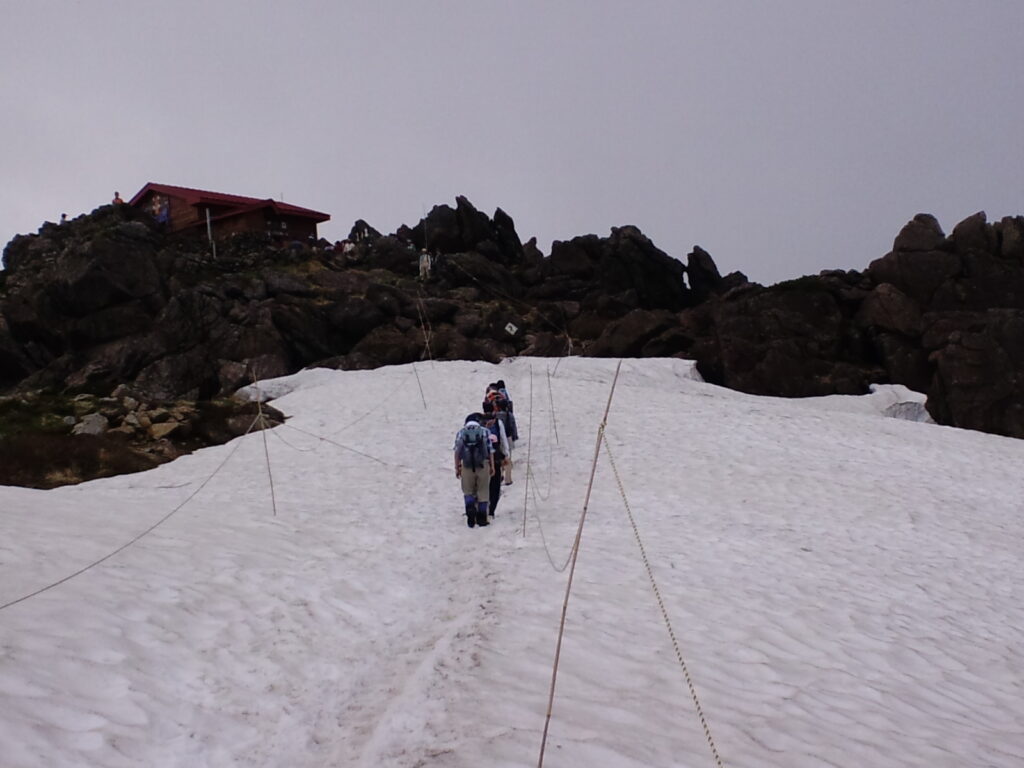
point(613, 275)
point(109, 300)
point(940, 315)
point(792, 340)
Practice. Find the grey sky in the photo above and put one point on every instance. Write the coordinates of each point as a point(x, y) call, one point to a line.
point(784, 137)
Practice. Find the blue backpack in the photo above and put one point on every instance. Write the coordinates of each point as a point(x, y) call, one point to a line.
point(475, 441)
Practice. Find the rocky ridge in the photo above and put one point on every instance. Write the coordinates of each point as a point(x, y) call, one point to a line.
point(111, 307)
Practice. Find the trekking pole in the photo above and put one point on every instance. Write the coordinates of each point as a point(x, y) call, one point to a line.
point(572, 568)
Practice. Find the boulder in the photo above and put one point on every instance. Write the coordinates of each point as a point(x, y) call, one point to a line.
point(463, 228)
point(917, 273)
point(887, 308)
point(362, 232)
point(922, 233)
point(788, 341)
point(627, 336)
point(384, 345)
point(978, 380)
point(1011, 237)
point(975, 234)
point(352, 318)
point(91, 424)
point(704, 277)
point(506, 237)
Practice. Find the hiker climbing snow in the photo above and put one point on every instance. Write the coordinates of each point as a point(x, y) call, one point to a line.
point(502, 452)
point(474, 466)
point(496, 400)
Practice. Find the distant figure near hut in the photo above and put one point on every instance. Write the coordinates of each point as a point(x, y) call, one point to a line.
point(117, 199)
point(161, 209)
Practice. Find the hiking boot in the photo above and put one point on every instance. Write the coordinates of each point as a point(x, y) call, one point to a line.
point(470, 520)
point(481, 519)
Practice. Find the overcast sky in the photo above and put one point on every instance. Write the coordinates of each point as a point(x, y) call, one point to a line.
point(783, 137)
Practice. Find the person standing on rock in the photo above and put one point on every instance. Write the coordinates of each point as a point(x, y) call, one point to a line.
point(424, 264)
point(117, 199)
point(474, 466)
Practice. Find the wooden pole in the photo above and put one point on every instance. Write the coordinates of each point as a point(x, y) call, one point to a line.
point(209, 233)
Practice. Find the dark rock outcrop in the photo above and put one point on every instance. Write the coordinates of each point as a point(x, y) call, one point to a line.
point(939, 315)
point(109, 300)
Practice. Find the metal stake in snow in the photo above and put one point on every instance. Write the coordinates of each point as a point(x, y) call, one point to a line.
point(572, 569)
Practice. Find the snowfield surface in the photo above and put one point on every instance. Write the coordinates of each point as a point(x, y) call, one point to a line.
point(845, 587)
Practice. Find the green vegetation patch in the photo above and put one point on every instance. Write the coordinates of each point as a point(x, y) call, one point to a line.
point(36, 412)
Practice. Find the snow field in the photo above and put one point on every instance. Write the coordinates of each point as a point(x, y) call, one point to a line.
point(844, 587)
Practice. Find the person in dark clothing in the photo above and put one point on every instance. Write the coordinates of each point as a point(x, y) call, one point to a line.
point(500, 444)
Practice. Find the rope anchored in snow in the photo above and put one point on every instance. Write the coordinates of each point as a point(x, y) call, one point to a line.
point(540, 527)
point(572, 569)
point(151, 528)
point(264, 424)
point(531, 490)
point(661, 604)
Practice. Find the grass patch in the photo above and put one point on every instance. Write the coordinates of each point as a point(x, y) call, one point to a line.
point(35, 412)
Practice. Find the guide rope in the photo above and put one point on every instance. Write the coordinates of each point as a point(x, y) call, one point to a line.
point(425, 326)
point(573, 557)
point(339, 445)
point(533, 492)
point(543, 537)
point(420, 385)
point(551, 402)
point(277, 433)
point(380, 403)
point(150, 529)
point(264, 425)
point(661, 605)
point(544, 496)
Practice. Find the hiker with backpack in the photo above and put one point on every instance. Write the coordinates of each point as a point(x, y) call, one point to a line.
point(474, 466)
point(502, 452)
point(498, 395)
point(497, 401)
point(513, 432)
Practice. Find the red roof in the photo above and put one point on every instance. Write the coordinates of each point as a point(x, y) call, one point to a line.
point(240, 203)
